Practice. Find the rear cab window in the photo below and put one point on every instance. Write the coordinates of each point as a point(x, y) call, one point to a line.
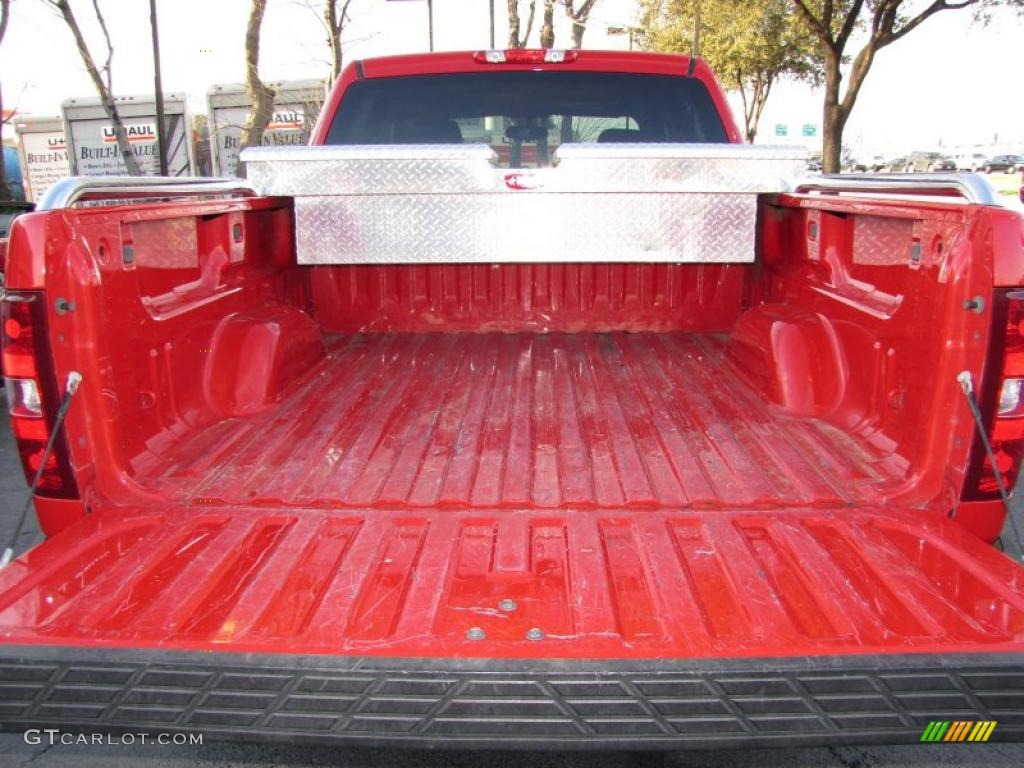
point(526, 116)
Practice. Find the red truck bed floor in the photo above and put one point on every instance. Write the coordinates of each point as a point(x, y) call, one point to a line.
point(597, 584)
point(429, 582)
point(543, 421)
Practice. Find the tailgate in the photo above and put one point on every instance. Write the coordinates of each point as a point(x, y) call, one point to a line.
point(650, 627)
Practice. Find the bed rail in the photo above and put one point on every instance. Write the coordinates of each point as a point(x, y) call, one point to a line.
point(68, 192)
point(971, 187)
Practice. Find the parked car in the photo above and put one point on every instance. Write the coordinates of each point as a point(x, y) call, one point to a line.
point(12, 205)
point(13, 175)
point(1004, 164)
point(9, 211)
point(918, 162)
point(971, 161)
point(814, 162)
point(402, 445)
point(856, 165)
point(894, 165)
point(872, 164)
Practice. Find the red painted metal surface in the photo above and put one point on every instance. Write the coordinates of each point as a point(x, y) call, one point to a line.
point(893, 300)
point(151, 336)
point(529, 297)
point(596, 584)
point(716, 461)
point(541, 421)
point(463, 61)
point(1008, 245)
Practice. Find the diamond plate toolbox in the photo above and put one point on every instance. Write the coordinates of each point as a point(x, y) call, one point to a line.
point(450, 204)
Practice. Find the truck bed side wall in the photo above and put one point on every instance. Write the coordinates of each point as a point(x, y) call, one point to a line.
point(190, 314)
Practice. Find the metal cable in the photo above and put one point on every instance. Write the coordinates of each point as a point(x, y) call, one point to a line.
point(967, 385)
point(74, 379)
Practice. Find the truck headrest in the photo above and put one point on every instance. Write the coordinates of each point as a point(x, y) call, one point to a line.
point(428, 131)
point(620, 136)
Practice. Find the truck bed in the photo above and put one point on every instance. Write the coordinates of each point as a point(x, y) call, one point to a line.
point(583, 504)
point(504, 420)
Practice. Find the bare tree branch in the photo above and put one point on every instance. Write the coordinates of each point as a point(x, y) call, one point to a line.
point(5, 17)
point(814, 23)
point(883, 17)
point(849, 23)
point(103, 87)
point(579, 19)
point(529, 21)
point(110, 45)
point(514, 40)
point(547, 28)
point(827, 12)
point(262, 97)
point(931, 10)
point(5, 188)
point(336, 20)
point(858, 72)
point(313, 8)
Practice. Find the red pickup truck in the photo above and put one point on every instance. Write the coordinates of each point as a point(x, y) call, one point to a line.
point(527, 409)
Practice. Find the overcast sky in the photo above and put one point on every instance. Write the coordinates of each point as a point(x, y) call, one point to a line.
point(950, 81)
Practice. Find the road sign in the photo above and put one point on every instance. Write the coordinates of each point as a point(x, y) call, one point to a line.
point(781, 129)
point(810, 129)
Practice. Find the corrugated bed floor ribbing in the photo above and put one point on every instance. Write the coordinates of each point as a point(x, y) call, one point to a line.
point(529, 420)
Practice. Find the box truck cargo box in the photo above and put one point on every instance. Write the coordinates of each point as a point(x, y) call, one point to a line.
point(92, 144)
point(297, 104)
point(43, 154)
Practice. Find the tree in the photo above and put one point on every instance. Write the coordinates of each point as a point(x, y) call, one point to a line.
point(749, 45)
point(578, 17)
point(5, 189)
point(884, 22)
point(261, 96)
point(547, 27)
point(514, 40)
point(336, 19)
point(101, 77)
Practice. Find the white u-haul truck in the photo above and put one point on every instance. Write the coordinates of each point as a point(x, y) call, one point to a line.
point(297, 104)
point(92, 143)
point(42, 152)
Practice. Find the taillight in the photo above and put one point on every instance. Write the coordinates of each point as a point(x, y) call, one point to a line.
point(32, 395)
point(1002, 402)
point(526, 56)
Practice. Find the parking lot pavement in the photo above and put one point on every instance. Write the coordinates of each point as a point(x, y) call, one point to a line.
point(13, 487)
point(15, 752)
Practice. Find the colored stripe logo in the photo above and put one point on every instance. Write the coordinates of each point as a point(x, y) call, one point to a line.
point(958, 730)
